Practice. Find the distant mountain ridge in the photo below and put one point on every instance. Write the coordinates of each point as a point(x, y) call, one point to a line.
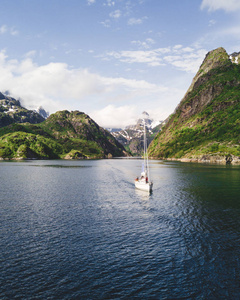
point(132, 136)
point(206, 124)
point(11, 112)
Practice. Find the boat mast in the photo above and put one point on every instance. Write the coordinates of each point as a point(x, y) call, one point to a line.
point(146, 165)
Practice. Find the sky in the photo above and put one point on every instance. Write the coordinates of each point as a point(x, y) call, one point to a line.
point(112, 59)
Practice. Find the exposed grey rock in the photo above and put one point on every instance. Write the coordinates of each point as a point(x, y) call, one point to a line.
point(42, 112)
point(11, 111)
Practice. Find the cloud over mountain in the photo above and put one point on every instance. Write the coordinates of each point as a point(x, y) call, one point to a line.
point(57, 86)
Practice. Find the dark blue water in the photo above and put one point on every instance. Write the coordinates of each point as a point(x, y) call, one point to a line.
point(80, 230)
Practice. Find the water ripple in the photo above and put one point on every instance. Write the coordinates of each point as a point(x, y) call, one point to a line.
point(80, 230)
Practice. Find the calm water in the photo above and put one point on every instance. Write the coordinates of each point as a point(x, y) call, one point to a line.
point(80, 230)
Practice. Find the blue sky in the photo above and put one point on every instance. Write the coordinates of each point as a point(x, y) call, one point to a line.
point(111, 59)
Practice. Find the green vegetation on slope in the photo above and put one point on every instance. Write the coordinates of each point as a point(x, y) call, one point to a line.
point(207, 120)
point(27, 145)
point(63, 135)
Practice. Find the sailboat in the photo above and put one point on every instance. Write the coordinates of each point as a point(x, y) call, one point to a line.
point(143, 182)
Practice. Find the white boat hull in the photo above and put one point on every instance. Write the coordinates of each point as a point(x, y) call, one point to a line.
point(143, 185)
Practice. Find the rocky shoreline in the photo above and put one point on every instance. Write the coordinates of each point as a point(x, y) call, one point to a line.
point(212, 159)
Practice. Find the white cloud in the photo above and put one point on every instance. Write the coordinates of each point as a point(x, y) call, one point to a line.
point(5, 29)
point(145, 44)
point(158, 101)
point(150, 57)
point(187, 59)
point(150, 41)
point(211, 23)
point(25, 66)
point(212, 5)
point(31, 53)
point(134, 21)
point(115, 14)
point(220, 36)
point(13, 31)
point(56, 86)
point(89, 2)
point(46, 85)
point(109, 3)
point(115, 117)
point(106, 23)
point(188, 50)
point(130, 84)
point(233, 32)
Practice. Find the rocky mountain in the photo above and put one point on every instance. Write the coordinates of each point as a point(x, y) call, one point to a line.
point(11, 112)
point(132, 136)
point(42, 112)
point(206, 124)
point(69, 135)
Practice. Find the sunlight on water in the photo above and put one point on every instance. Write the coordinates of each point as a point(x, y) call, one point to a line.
point(80, 230)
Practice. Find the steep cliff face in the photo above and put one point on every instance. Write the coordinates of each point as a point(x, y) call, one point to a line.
point(204, 88)
point(206, 122)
